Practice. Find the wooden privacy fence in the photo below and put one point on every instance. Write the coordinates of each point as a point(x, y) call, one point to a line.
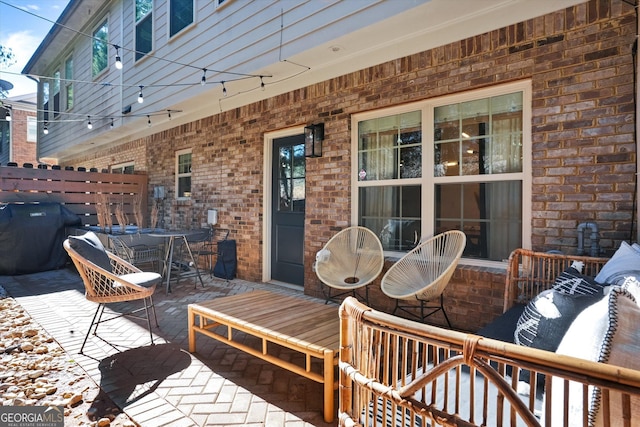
point(83, 193)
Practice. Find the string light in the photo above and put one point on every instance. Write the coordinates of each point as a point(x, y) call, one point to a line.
point(224, 89)
point(112, 125)
point(45, 129)
point(203, 81)
point(89, 125)
point(7, 117)
point(261, 83)
point(140, 97)
point(118, 59)
point(169, 114)
point(149, 121)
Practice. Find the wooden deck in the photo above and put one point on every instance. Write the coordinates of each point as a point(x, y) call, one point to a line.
point(301, 324)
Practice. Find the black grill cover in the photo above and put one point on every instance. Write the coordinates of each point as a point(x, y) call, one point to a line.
point(31, 237)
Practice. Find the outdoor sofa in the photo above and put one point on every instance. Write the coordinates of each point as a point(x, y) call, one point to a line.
point(397, 372)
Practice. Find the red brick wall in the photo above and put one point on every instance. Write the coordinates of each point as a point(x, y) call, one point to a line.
point(22, 151)
point(580, 64)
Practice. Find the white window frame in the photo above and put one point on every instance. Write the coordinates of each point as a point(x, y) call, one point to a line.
point(428, 181)
point(182, 175)
point(32, 129)
point(122, 166)
point(183, 29)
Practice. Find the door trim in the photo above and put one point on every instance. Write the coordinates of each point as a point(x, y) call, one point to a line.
point(267, 187)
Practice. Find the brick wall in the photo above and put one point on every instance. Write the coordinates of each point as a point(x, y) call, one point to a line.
point(580, 63)
point(22, 151)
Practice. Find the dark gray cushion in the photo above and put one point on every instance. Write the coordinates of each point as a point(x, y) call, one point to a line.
point(572, 282)
point(89, 247)
point(547, 317)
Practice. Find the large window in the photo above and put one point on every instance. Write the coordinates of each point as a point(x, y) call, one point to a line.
point(144, 27)
point(458, 162)
point(180, 15)
point(183, 174)
point(100, 53)
point(68, 76)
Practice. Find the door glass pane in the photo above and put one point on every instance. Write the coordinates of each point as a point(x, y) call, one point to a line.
point(291, 179)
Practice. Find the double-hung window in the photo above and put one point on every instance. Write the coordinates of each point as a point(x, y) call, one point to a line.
point(459, 162)
point(56, 94)
point(144, 28)
point(99, 51)
point(68, 84)
point(183, 174)
point(180, 15)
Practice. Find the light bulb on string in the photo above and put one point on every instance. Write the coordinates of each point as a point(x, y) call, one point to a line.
point(45, 129)
point(169, 114)
point(89, 125)
point(261, 83)
point(7, 116)
point(140, 97)
point(149, 121)
point(224, 89)
point(203, 81)
point(112, 124)
point(118, 59)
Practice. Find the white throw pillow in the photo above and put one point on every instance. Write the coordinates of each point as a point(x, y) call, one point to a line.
point(624, 263)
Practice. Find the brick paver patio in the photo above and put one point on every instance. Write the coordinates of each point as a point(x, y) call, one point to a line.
point(163, 384)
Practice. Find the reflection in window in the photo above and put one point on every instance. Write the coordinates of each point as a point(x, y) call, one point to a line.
point(291, 179)
point(99, 49)
point(180, 15)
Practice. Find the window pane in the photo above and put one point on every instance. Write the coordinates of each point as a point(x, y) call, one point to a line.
point(489, 213)
point(393, 213)
point(68, 75)
point(32, 129)
point(45, 101)
point(184, 163)
point(180, 15)
point(390, 147)
point(143, 7)
point(479, 137)
point(184, 186)
point(99, 49)
point(144, 36)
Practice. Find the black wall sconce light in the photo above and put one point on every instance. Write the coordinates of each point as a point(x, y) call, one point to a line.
point(313, 136)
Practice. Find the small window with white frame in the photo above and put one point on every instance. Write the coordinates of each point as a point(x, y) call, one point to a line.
point(68, 77)
point(127, 168)
point(32, 129)
point(458, 162)
point(144, 28)
point(99, 49)
point(183, 174)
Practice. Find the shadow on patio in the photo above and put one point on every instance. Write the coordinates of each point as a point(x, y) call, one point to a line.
point(164, 384)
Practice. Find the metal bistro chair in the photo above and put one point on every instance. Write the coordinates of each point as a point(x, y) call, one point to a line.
point(138, 255)
point(350, 260)
point(207, 244)
point(108, 279)
point(423, 273)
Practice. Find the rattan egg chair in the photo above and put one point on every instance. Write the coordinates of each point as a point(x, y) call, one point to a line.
point(422, 274)
point(350, 260)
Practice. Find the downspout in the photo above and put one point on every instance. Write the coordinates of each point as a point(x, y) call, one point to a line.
point(595, 249)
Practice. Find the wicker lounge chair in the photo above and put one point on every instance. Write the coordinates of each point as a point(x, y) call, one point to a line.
point(350, 260)
point(423, 274)
point(108, 279)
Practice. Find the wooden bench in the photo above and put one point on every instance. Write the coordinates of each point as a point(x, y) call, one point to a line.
point(299, 323)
